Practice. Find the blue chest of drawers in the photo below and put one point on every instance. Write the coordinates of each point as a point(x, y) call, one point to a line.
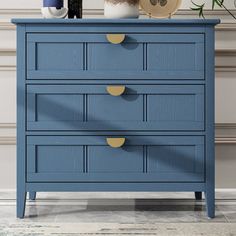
point(115, 105)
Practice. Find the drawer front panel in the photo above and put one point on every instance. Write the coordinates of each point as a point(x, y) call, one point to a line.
point(91, 159)
point(91, 108)
point(92, 56)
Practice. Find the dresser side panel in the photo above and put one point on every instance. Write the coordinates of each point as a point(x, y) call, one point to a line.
point(210, 120)
point(21, 121)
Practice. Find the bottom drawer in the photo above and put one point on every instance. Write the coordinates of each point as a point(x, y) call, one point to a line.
point(91, 159)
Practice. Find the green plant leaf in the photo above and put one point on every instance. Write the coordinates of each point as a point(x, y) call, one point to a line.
point(199, 8)
point(220, 3)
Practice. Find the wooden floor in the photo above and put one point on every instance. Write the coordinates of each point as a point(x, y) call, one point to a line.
point(176, 214)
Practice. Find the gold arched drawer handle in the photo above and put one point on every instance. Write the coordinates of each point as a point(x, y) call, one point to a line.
point(116, 142)
point(115, 38)
point(115, 90)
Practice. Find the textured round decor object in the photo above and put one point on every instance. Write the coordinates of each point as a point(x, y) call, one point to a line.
point(160, 8)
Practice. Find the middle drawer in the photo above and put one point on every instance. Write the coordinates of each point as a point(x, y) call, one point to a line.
point(112, 107)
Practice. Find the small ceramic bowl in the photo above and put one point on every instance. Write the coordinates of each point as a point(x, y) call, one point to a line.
point(53, 12)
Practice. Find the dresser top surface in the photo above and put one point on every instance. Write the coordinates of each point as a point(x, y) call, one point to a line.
point(117, 21)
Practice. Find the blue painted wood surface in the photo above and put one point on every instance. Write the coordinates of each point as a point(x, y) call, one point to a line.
point(115, 187)
point(21, 125)
point(76, 56)
point(210, 121)
point(98, 22)
point(90, 159)
point(64, 112)
point(141, 107)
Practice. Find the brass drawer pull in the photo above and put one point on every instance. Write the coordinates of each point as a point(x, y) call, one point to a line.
point(116, 142)
point(115, 38)
point(115, 90)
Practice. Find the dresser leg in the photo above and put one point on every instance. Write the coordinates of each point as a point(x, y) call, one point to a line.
point(198, 195)
point(210, 203)
point(32, 196)
point(21, 199)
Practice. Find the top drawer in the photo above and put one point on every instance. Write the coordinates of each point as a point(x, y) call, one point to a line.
point(93, 56)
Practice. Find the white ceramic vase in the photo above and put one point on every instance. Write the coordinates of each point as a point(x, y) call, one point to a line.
point(123, 9)
point(54, 13)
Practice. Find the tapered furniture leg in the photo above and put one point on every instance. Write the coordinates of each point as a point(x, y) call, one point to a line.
point(198, 195)
point(21, 199)
point(210, 203)
point(32, 195)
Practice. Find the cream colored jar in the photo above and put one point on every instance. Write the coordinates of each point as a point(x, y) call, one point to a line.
point(121, 8)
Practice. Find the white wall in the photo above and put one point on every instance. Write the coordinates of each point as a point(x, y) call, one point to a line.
point(88, 4)
point(225, 85)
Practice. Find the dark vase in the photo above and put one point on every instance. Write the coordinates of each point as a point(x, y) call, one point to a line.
point(75, 8)
point(53, 3)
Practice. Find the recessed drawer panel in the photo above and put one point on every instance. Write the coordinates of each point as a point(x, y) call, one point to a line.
point(93, 108)
point(92, 159)
point(126, 108)
point(56, 159)
point(104, 56)
point(53, 55)
point(93, 56)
